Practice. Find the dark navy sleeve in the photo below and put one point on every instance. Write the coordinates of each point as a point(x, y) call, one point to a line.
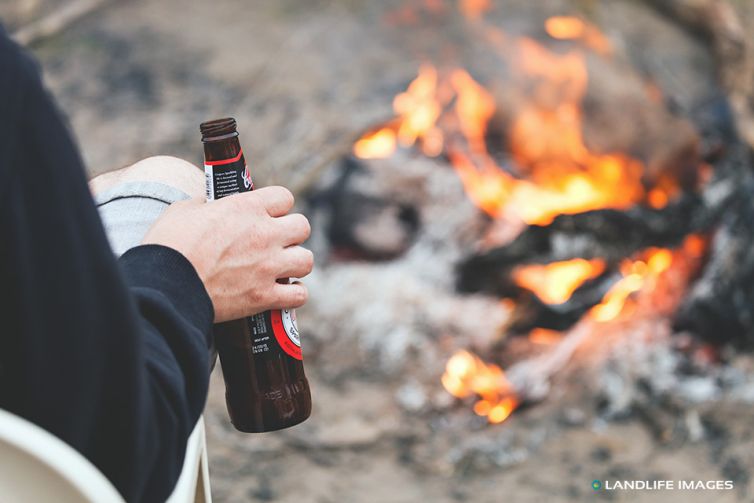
point(110, 356)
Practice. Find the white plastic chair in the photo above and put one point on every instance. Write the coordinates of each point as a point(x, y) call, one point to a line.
point(36, 466)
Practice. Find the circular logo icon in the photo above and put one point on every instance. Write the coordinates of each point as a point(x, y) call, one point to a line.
point(596, 485)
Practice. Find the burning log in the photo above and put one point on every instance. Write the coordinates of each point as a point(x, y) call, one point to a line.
point(531, 312)
point(613, 235)
point(529, 379)
point(608, 234)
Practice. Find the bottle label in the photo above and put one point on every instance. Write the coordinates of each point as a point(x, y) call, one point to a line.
point(286, 332)
point(260, 333)
point(227, 177)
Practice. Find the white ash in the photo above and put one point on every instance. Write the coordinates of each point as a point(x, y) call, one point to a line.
point(411, 396)
point(399, 308)
point(391, 312)
point(694, 426)
point(664, 372)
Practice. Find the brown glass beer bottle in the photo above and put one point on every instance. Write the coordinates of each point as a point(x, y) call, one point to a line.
point(265, 385)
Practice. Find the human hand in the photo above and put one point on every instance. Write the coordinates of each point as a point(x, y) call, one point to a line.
point(241, 246)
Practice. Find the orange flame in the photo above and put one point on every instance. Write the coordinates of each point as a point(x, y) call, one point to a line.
point(473, 9)
point(474, 108)
point(546, 139)
point(467, 375)
point(554, 283)
point(418, 107)
point(450, 112)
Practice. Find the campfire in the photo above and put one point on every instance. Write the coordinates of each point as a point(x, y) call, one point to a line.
point(547, 170)
point(525, 213)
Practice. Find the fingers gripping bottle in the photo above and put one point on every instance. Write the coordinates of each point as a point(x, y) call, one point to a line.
point(260, 356)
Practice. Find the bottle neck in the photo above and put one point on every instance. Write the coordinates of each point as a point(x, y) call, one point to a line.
point(221, 148)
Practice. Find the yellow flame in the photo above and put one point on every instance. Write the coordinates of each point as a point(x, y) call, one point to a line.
point(467, 375)
point(635, 275)
point(418, 107)
point(554, 283)
point(615, 299)
point(377, 145)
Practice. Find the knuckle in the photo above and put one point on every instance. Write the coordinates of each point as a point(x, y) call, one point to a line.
point(254, 202)
point(268, 269)
point(297, 227)
point(308, 260)
point(265, 230)
point(305, 226)
point(286, 195)
point(300, 296)
point(277, 195)
point(255, 294)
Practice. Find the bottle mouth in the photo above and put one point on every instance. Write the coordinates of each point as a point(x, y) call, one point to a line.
point(218, 127)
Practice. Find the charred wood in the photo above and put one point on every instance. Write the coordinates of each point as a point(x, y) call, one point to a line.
point(608, 234)
point(364, 225)
point(532, 313)
point(720, 305)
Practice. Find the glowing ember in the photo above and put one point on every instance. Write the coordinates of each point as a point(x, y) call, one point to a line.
point(573, 28)
point(544, 336)
point(554, 283)
point(636, 274)
point(657, 198)
point(695, 245)
point(467, 375)
point(565, 27)
point(613, 303)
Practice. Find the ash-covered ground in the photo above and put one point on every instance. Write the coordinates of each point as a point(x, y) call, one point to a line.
point(136, 78)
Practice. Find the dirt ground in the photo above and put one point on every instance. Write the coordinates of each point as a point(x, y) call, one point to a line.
point(137, 77)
